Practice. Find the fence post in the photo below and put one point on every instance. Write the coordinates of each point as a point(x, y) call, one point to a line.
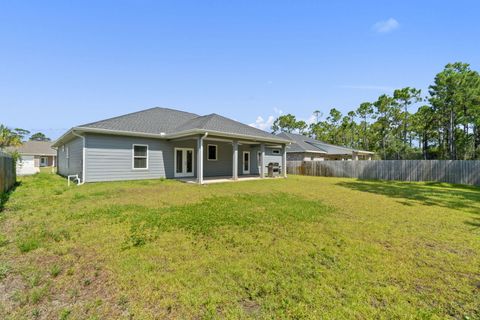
point(451, 171)
point(7, 172)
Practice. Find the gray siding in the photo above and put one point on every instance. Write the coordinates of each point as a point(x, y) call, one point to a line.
point(73, 164)
point(110, 158)
point(273, 157)
point(305, 156)
point(223, 166)
point(254, 154)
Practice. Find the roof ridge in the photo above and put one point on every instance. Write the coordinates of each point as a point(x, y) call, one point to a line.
point(136, 112)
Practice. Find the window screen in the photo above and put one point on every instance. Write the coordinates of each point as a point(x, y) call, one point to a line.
point(140, 157)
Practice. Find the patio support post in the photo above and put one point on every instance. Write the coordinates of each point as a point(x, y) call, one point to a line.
point(262, 160)
point(200, 160)
point(235, 160)
point(355, 156)
point(284, 160)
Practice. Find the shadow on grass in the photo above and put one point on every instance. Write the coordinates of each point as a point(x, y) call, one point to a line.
point(475, 223)
point(464, 198)
point(6, 195)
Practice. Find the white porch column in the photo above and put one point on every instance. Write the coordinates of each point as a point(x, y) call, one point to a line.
point(262, 160)
point(235, 160)
point(355, 156)
point(200, 160)
point(284, 160)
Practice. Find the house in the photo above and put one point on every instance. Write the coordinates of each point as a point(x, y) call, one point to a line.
point(34, 155)
point(166, 143)
point(304, 148)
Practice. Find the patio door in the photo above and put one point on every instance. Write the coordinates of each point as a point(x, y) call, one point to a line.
point(183, 162)
point(43, 161)
point(246, 162)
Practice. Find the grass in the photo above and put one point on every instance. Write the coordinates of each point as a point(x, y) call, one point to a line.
point(305, 247)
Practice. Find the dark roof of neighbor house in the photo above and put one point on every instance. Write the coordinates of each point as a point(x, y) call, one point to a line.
point(37, 148)
point(169, 122)
point(303, 143)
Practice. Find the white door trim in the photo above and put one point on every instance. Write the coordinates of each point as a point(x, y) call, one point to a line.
point(184, 172)
point(43, 161)
point(243, 162)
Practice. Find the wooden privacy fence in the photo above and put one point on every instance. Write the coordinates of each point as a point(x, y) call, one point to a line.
point(451, 171)
point(7, 172)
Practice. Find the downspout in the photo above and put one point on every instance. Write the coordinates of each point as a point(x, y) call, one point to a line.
point(83, 157)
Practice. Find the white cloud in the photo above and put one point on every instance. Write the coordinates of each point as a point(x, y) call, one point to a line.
point(277, 111)
point(266, 125)
point(386, 26)
point(263, 124)
point(311, 119)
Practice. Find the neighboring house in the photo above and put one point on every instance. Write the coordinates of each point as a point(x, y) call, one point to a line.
point(165, 143)
point(34, 155)
point(308, 149)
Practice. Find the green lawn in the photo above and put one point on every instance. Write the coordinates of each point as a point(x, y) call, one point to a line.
point(305, 247)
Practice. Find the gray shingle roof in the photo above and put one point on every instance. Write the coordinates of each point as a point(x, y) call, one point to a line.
point(306, 144)
point(41, 148)
point(299, 144)
point(168, 121)
point(154, 120)
point(215, 122)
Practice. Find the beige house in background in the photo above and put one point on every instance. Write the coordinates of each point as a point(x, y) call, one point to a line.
point(34, 155)
point(304, 148)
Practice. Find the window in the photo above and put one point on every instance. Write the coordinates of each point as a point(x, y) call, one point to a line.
point(67, 157)
point(276, 151)
point(140, 156)
point(212, 152)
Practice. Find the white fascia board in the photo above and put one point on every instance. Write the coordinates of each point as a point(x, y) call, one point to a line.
point(169, 136)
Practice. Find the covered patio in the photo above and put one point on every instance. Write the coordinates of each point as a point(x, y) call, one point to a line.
point(212, 158)
point(221, 179)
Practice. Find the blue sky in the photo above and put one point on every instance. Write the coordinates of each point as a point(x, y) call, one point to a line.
point(65, 63)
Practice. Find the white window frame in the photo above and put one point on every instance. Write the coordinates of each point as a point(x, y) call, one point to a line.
point(45, 163)
point(249, 162)
point(183, 174)
point(133, 155)
point(67, 157)
point(276, 151)
point(216, 152)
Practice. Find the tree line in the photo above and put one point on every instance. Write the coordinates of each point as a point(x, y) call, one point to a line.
point(15, 137)
point(444, 125)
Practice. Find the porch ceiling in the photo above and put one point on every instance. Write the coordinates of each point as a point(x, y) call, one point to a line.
point(225, 139)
